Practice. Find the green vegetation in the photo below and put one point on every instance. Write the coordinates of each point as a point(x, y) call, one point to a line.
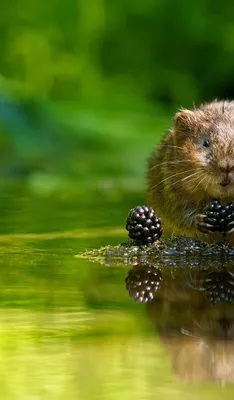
point(174, 52)
point(102, 80)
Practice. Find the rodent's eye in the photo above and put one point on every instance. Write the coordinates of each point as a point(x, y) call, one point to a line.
point(206, 143)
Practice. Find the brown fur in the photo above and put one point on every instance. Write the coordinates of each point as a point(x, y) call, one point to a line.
point(178, 197)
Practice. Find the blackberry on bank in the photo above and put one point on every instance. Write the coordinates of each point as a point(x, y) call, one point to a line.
point(143, 225)
point(143, 282)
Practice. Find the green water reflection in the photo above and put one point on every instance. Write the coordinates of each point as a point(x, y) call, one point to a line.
point(68, 328)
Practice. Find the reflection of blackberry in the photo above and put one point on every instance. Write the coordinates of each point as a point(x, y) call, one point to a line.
point(219, 216)
point(143, 225)
point(143, 282)
point(219, 286)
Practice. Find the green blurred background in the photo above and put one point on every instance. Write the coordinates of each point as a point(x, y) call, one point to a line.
point(87, 88)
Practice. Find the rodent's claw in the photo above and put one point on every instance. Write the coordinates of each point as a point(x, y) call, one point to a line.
point(202, 225)
point(230, 227)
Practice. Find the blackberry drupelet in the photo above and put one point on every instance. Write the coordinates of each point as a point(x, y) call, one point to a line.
point(143, 282)
point(219, 286)
point(143, 225)
point(219, 217)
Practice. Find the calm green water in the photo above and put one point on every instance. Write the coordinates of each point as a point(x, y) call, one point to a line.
point(68, 328)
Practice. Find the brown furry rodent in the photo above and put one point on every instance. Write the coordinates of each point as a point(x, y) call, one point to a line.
point(193, 165)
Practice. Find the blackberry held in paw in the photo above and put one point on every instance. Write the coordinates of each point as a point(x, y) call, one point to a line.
point(143, 282)
point(217, 218)
point(193, 164)
point(143, 225)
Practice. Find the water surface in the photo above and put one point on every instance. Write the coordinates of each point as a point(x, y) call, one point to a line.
point(69, 329)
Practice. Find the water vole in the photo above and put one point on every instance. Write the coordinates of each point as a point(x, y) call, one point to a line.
point(192, 165)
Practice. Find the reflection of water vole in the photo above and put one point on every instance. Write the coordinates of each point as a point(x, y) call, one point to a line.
point(193, 164)
point(192, 329)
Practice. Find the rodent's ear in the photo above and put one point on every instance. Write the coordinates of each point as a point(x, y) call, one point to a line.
point(183, 121)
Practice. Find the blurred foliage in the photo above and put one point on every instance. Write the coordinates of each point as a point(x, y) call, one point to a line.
point(76, 148)
point(87, 87)
point(173, 51)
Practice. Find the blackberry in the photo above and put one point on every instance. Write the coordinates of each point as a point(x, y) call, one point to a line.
point(218, 216)
point(219, 286)
point(143, 225)
point(143, 282)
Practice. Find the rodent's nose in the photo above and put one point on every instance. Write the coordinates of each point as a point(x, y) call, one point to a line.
point(226, 166)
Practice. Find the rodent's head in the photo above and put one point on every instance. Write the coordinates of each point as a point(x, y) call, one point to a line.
point(205, 138)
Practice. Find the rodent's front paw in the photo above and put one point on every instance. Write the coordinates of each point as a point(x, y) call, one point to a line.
point(202, 224)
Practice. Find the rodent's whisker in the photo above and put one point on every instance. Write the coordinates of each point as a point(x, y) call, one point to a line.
point(207, 183)
point(195, 173)
point(210, 180)
point(172, 176)
point(190, 176)
point(177, 174)
point(198, 177)
point(204, 177)
point(169, 162)
point(171, 146)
